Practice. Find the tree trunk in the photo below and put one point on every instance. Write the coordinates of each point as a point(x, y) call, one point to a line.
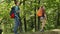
point(58, 24)
point(25, 24)
point(38, 17)
point(35, 16)
point(32, 24)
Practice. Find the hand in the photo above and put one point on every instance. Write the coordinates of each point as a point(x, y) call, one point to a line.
point(17, 11)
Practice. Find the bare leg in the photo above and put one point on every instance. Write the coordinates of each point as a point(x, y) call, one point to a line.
point(43, 24)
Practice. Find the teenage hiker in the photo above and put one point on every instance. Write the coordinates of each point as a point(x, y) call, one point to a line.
point(41, 13)
point(0, 31)
point(15, 10)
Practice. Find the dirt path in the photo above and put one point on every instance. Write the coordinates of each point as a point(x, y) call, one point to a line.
point(55, 30)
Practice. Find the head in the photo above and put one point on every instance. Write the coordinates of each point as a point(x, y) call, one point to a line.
point(41, 6)
point(17, 3)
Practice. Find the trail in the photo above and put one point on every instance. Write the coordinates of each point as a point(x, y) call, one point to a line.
point(53, 31)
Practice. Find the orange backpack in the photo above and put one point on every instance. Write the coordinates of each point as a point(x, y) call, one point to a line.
point(39, 12)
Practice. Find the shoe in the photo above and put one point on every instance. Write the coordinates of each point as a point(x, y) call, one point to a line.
point(42, 30)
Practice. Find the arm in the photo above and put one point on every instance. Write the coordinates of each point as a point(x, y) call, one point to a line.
point(18, 12)
point(45, 16)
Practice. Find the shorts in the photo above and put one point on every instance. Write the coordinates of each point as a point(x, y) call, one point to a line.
point(42, 17)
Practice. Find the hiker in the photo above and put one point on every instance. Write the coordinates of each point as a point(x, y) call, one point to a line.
point(15, 10)
point(41, 13)
point(0, 31)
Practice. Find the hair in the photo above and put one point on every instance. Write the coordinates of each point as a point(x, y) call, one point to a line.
point(15, 2)
point(41, 6)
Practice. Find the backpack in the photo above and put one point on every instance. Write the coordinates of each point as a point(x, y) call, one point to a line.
point(12, 15)
point(40, 12)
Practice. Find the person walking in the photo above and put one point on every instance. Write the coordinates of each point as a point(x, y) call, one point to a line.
point(42, 14)
point(15, 10)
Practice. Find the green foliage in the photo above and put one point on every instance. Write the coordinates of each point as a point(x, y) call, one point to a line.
point(51, 7)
